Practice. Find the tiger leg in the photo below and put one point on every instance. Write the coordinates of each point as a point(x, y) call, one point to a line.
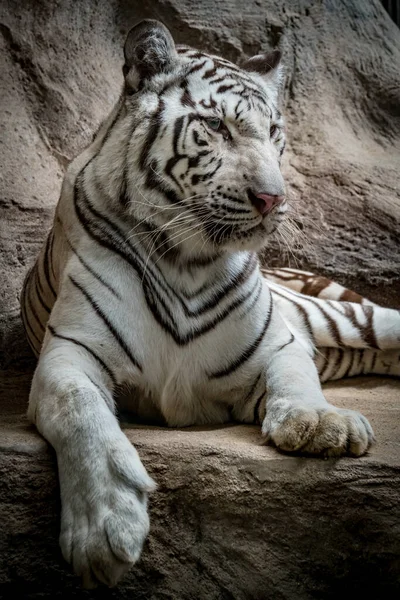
point(337, 363)
point(333, 324)
point(298, 417)
point(103, 483)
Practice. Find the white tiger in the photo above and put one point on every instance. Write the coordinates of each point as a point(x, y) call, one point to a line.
point(150, 280)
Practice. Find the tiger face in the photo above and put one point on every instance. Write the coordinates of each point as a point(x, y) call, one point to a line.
point(210, 138)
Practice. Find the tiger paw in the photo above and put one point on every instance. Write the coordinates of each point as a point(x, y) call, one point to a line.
point(104, 518)
point(326, 431)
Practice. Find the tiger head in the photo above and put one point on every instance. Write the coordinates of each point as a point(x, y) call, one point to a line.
point(203, 159)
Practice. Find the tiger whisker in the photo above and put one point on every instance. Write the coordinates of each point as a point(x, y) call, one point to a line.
point(180, 233)
point(180, 242)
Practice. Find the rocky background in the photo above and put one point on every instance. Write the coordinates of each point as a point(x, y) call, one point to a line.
point(61, 71)
point(60, 64)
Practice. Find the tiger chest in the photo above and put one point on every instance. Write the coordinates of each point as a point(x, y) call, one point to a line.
point(191, 364)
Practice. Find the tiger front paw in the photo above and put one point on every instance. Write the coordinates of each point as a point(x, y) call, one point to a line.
point(104, 519)
point(326, 431)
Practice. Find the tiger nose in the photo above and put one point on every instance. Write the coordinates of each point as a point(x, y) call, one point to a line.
point(264, 203)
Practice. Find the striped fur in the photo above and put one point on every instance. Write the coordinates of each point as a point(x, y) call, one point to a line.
point(149, 282)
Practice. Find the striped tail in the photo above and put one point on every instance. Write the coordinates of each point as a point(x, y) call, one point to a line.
point(310, 284)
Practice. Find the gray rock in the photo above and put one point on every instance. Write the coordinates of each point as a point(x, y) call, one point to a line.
point(231, 519)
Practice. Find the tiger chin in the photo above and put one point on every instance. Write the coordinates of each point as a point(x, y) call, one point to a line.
point(149, 280)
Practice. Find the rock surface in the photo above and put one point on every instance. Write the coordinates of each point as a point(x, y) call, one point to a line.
point(231, 519)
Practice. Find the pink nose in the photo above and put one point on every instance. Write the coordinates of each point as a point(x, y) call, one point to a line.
point(264, 203)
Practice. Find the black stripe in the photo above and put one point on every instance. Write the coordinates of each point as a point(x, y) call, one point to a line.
point(107, 322)
point(231, 209)
point(32, 311)
point(324, 371)
point(183, 49)
point(220, 79)
point(151, 135)
point(116, 241)
point(373, 362)
point(198, 140)
point(211, 104)
point(206, 176)
point(228, 66)
point(89, 350)
point(366, 331)
point(357, 362)
point(193, 161)
point(287, 343)
point(186, 99)
point(198, 262)
point(365, 362)
point(39, 290)
point(244, 357)
point(51, 255)
point(29, 331)
point(255, 299)
point(196, 67)
point(28, 328)
point(331, 324)
point(337, 365)
point(225, 88)
point(178, 126)
point(45, 264)
point(210, 73)
point(92, 271)
point(173, 160)
point(111, 127)
point(256, 412)
point(252, 389)
point(108, 401)
point(238, 280)
point(300, 309)
point(351, 363)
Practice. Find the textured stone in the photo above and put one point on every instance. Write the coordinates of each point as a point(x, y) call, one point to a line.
point(231, 518)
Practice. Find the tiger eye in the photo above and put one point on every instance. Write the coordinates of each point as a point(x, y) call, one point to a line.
point(214, 123)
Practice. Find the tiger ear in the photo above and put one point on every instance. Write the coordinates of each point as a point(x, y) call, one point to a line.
point(268, 65)
point(149, 49)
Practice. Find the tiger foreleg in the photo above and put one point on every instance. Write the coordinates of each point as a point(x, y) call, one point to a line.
point(103, 483)
point(298, 418)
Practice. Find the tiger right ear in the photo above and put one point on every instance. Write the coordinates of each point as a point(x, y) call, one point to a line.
point(267, 65)
point(149, 49)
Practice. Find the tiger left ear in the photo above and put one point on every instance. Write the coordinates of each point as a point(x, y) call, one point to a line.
point(267, 65)
point(149, 49)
